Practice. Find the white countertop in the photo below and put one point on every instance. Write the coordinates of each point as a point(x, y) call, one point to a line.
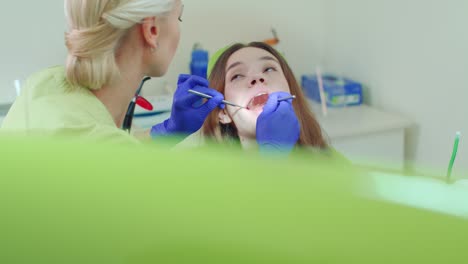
point(358, 120)
point(419, 192)
point(340, 122)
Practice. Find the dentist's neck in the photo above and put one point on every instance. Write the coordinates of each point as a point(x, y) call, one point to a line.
point(117, 95)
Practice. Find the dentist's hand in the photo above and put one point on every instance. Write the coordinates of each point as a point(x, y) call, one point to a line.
point(278, 128)
point(185, 117)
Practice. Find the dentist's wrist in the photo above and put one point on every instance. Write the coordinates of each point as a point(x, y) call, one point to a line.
point(160, 129)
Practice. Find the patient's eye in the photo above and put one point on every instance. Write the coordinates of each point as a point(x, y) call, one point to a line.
point(235, 77)
point(270, 69)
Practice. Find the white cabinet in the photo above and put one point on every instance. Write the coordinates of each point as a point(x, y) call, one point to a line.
point(365, 135)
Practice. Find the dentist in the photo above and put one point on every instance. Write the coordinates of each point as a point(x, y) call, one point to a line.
point(112, 45)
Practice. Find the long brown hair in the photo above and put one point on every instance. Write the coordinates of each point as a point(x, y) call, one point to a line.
point(311, 133)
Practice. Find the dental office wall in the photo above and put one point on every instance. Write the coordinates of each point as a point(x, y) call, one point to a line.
point(32, 38)
point(214, 24)
point(33, 34)
point(413, 57)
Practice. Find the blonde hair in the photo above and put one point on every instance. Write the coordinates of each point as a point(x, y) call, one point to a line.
point(96, 28)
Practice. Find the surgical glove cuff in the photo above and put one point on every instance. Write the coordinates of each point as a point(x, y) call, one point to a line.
point(163, 129)
point(270, 149)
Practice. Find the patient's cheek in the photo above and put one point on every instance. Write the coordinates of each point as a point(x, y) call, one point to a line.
point(234, 94)
point(230, 96)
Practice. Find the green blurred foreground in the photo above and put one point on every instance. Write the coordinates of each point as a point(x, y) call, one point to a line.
point(65, 202)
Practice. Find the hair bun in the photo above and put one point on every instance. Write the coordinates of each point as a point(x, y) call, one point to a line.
point(91, 42)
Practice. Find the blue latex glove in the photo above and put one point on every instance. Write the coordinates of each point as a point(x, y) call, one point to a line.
point(185, 117)
point(278, 128)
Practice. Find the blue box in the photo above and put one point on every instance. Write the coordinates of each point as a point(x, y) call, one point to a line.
point(199, 63)
point(338, 91)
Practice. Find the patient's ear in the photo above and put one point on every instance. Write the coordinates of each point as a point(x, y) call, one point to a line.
point(224, 118)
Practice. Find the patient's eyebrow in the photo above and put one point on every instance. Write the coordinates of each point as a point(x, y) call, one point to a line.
point(235, 64)
point(269, 58)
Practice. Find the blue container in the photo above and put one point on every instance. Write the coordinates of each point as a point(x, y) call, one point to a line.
point(338, 91)
point(199, 63)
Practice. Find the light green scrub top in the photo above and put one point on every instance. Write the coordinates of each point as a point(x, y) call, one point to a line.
point(49, 105)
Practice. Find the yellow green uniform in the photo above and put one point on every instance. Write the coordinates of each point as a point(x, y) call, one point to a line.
point(50, 105)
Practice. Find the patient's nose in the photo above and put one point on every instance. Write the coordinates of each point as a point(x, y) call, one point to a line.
point(257, 81)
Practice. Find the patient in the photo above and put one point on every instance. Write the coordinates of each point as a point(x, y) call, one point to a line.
point(257, 76)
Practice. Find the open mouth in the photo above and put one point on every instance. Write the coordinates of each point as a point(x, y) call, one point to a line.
point(258, 101)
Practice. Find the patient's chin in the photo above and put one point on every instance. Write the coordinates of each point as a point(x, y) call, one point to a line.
point(246, 122)
point(252, 115)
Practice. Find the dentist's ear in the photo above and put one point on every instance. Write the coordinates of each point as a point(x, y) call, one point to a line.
point(150, 31)
point(223, 117)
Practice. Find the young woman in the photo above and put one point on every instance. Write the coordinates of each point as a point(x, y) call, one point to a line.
point(258, 77)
